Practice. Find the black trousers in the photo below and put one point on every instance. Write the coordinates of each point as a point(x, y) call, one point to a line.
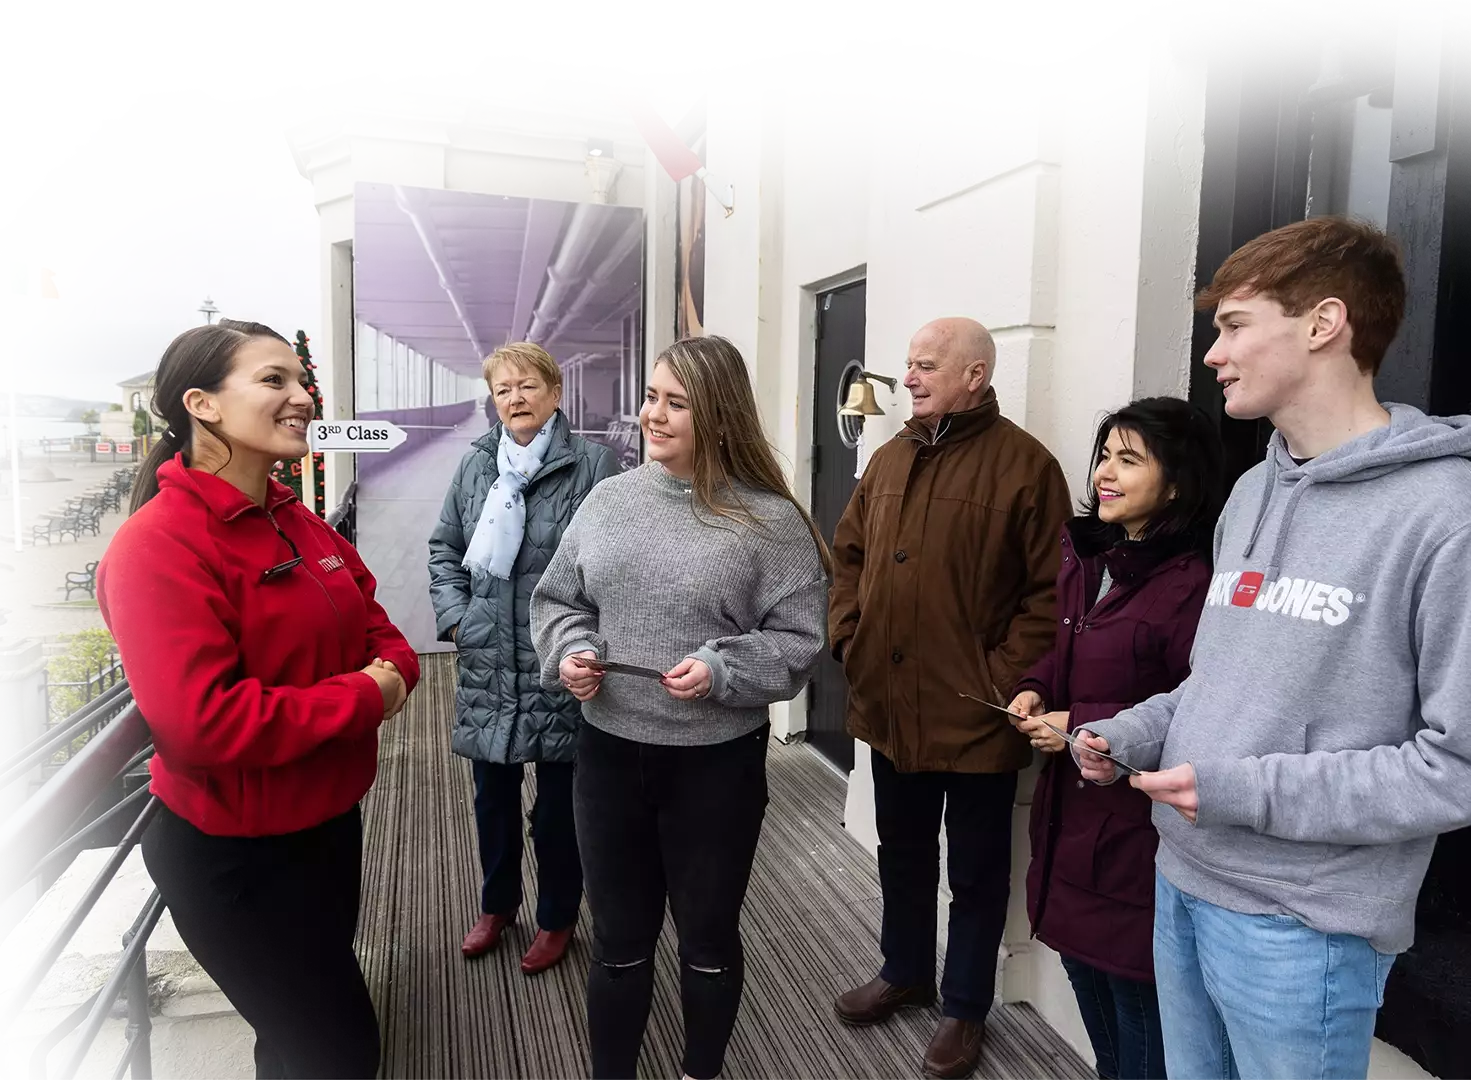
point(675, 822)
point(977, 810)
point(271, 919)
point(498, 826)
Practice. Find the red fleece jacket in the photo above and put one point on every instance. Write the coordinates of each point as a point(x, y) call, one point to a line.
point(262, 720)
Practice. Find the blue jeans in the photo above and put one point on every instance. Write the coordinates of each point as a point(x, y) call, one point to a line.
point(1122, 1018)
point(1247, 996)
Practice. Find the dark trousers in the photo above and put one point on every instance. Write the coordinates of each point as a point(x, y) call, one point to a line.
point(976, 808)
point(498, 824)
point(271, 919)
point(666, 821)
point(1122, 1018)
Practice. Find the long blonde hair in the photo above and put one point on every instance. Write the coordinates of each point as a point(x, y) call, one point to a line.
point(730, 444)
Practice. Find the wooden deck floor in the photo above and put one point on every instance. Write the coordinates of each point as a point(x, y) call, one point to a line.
point(810, 926)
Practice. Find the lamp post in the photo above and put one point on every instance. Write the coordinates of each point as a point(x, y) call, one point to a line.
point(208, 310)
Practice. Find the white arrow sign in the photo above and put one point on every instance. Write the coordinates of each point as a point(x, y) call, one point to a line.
point(358, 436)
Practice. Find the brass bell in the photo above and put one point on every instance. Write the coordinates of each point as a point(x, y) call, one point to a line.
point(860, 400)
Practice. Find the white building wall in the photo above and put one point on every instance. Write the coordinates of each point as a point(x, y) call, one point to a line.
point(823, 245)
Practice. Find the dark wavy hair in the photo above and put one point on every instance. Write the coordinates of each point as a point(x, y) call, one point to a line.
point(199, 358)
point(1182, 438)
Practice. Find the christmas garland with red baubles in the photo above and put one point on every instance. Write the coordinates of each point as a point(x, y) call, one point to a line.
point(290, 472)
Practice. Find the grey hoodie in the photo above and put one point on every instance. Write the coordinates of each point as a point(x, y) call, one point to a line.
point(1328, 708)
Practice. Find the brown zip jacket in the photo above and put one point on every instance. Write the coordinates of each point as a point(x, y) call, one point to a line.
point(944, 583)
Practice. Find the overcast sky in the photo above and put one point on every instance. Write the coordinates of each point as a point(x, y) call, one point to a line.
point(141, 153)
point(146, 194)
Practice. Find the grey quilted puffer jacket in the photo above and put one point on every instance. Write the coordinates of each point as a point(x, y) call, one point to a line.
point(501, 712)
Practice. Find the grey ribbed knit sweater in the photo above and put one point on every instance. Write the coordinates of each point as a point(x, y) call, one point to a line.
point(640, 579)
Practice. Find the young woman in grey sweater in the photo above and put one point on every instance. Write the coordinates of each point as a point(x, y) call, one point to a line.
point(699, 565)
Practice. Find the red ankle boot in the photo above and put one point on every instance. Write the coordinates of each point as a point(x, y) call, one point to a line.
point(485, 935)
point(546, 951)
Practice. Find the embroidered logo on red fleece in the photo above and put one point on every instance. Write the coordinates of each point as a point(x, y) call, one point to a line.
point(334, 562)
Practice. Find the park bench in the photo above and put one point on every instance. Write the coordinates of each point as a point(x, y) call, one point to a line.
point(82, 581)
point(57, 525)
point(89, 517)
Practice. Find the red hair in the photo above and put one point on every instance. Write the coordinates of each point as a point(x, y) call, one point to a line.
point(1302, 264)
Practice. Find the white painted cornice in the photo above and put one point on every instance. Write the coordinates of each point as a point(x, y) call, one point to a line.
point(437, 115)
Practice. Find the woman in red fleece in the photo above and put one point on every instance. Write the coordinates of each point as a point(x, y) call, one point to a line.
point(264, 666)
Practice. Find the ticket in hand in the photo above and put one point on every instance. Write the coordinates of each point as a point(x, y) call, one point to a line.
point(606, 666)
point(1067, 736)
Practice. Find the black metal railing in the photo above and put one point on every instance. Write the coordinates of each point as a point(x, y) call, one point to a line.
point(344, 516)
point(68, 698)
point(45, 833)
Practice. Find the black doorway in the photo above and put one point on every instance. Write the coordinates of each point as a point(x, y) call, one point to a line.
point(1380, 130)
point(840, 329)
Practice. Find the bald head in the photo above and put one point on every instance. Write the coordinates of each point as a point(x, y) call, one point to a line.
point(949, 368)
point(960, 339)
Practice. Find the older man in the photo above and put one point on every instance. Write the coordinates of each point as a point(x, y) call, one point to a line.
point(945, 563)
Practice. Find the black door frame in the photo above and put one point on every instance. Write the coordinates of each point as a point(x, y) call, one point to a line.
point(835, 746)
point(1255, 178)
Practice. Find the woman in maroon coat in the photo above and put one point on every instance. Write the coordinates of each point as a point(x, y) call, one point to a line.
point(1133, 578)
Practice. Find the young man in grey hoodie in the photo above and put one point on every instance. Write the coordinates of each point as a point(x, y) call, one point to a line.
point(1323, 738)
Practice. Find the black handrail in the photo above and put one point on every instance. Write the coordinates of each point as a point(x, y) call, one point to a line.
point(45, 819)
point(134, 958)
point(43, 831)
point(113, 698)
point(77, 841)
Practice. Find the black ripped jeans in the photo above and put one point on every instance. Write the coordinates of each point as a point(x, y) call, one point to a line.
point(666, 821)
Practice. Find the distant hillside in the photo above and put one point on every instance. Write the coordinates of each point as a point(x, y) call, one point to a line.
point(54, 408)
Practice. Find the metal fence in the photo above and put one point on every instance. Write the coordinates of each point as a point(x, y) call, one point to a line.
point(344, 516)
point(68, 813)
point(81, 449)
point(65, 697)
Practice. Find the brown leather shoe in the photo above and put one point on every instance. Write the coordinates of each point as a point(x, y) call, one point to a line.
point(875, 1002)
point(546, 951)
point(955, 1051)
point(485, 935)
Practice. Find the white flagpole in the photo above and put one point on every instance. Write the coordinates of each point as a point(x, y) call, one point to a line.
point(15, 420)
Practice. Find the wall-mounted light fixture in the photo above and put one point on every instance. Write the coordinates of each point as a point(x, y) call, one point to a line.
point(601, 167)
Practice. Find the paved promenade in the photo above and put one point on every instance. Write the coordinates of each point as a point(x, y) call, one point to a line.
point(31, 580)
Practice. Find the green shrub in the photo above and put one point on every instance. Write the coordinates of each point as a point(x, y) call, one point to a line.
point(87, 653)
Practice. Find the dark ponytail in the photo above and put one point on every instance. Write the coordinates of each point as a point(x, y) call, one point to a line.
point(200, 358)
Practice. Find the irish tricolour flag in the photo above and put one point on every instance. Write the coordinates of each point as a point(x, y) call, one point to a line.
point(671, 152)
point(21, 280)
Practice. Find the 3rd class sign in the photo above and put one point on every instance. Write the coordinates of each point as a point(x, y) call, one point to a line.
point(355, 436)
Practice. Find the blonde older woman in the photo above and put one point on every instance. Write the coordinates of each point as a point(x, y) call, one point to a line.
point(511, 499)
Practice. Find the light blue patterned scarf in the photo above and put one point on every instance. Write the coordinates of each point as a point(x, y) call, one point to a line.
point(502, 524)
